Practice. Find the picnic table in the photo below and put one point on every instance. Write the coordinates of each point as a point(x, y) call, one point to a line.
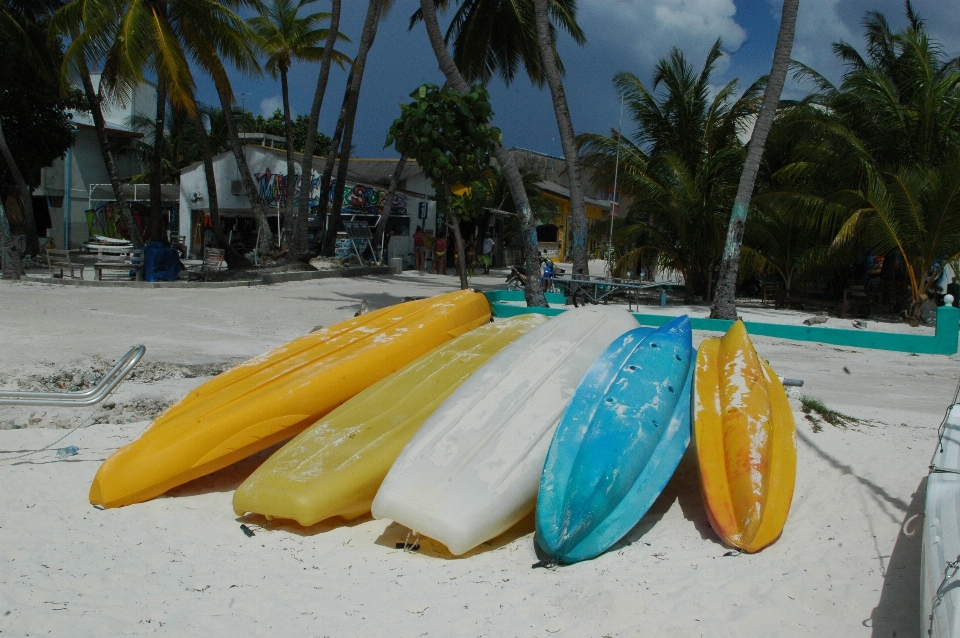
point(597, 290)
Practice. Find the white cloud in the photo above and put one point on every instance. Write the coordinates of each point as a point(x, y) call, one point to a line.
point(819, 25)
point(270, 104)
point(648, 29)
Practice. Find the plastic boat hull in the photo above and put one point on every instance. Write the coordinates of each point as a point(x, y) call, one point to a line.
point(746, 441)
point(335, 466)
point(618, 443)
point(473, 469)
point(273, 397)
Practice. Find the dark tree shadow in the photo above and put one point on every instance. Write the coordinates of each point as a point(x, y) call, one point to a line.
point(395, 534)
point(898, 611)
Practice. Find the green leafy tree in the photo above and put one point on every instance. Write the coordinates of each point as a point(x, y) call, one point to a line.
point(274, 125)
point(532, 290)
point(36, 126)
point(449, 135)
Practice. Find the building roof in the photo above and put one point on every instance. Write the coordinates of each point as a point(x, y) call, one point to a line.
point(372, 171)
point(562, 191)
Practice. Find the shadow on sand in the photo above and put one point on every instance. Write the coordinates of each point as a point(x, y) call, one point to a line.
point(226, 480)
point(898, 611)
point(395, 534)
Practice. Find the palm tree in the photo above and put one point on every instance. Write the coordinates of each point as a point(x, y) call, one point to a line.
point(68, 21)
point(285, 37)
point(161, 36)
point(578, 210)
point(494, 37)
point(533, 293)
point(680, 166)
point(724, 303)
point(306, 166)
point(376, 11)
point(885, 133)
point(914, 212)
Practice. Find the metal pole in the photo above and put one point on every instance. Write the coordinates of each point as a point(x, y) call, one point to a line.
point(67, 186)
point(614, 203)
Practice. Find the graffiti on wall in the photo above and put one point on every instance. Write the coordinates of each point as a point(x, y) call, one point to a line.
point(272, 191)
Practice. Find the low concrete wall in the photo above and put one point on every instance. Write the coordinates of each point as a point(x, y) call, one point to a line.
point(267, 279)
point(944, 341)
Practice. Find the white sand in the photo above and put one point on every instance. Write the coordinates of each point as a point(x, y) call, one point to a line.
point(181, 566)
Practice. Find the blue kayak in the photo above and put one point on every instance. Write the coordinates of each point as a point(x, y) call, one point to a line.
point(618, 442)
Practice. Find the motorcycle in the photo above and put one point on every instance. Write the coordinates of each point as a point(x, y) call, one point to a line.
point(517, 278)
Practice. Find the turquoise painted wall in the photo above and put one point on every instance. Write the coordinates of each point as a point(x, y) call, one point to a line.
point(943, 342)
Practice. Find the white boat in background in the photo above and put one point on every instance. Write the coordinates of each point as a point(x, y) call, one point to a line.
point(940, 561)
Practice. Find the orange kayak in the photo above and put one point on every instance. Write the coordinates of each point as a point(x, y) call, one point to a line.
point(276, 396)
point(746, 441)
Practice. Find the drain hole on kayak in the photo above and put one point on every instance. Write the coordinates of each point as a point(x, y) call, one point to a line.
point(670, 387)
point(653, 345)
point(632, 368)
point(678, 357)
point(609, 399)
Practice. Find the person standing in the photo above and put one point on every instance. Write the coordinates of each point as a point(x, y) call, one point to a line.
point(440, 255)
point(418, 248)
point(488, 244)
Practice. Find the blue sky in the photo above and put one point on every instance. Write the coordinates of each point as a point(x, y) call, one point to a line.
point(623, 35)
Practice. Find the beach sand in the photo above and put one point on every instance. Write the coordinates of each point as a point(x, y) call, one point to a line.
point(180, 565)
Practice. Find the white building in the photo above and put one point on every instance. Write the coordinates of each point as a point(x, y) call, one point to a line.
point(82, 167)
point(366, 188)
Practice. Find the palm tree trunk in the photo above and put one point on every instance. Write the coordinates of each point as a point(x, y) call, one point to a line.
point(306, 166)
point(359, 63)
point(100, 125)
point(724, 303)
point(156, 165)
point(328, 166)
point(253, 195)
point(381, 229)
point(29, 223)
point(12, 266)
point(578, 209)
point(291, 167)
point(233, 256)
point(532, 290)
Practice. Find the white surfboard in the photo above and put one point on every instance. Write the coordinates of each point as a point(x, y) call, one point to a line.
point(472, 471)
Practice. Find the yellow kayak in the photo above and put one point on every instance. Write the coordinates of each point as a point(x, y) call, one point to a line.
point(746, 441)
point(276, 396)
point(336, 466)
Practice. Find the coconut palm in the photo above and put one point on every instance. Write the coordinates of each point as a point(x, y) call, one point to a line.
point(724, 303)
point(300, 247)
point(376, 11)
point(491, 37)
point(132, 37)
point(285, 37)
point(533, 293)
point(680, 165)
point(915, 212)
point(893, 118)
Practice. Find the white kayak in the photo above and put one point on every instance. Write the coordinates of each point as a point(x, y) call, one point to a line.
point(472, 471)
point(940, 562)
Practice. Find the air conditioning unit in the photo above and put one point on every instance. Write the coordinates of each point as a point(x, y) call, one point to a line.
point(236, 187)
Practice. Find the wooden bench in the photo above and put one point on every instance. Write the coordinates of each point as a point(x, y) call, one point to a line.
point(59, 259)
point(124, 262)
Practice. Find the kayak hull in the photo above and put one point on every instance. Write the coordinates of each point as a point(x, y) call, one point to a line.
point(273, 397)
point(336, 466)
point(473, 469)
point(618, 443)
point(746, 441)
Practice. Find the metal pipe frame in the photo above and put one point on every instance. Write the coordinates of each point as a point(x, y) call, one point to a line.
point(89, 397)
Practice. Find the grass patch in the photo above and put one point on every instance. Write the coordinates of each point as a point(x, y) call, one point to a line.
point(818, 413)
